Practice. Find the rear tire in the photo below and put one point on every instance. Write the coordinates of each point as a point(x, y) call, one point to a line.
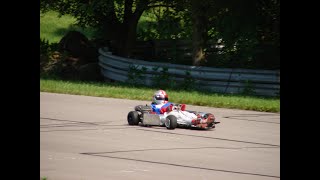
point(133, 118)
point(171, 122)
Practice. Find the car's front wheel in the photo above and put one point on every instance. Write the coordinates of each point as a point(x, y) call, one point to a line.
point(133, 118)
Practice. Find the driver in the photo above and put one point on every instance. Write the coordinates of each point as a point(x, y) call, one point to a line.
point(160, 103)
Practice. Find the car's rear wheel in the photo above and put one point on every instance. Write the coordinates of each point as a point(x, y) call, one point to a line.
point(133, 118)
point(171, 122)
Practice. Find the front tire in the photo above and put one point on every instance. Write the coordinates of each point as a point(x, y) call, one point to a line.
point(171, 122)
point(133, 118)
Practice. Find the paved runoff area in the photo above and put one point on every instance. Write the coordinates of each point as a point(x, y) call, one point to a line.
point(88, 138)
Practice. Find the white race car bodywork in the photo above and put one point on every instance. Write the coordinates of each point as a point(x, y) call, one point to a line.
point(172, 119)
point(183, 117)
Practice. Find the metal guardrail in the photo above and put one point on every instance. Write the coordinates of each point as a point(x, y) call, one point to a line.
point(225, 80)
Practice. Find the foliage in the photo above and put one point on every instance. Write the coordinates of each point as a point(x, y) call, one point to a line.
point(248, 89)
point(163, 79)
point(136, 75)
point(59, 66)
point(249, 29)
point(44, 46)
point(188, 83)
point(244, 27)
point(47, 50)
point(163, 23)
point(54, 63)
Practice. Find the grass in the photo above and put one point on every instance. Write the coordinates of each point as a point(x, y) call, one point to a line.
point(54, 28)
point(116, 90)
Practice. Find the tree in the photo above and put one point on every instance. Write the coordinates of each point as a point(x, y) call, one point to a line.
point(251, 32)
point(200, 18)
point(196, 14)
point(246, 27)
point(116, 20)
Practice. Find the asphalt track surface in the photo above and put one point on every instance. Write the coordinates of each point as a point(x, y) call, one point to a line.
point(88, 138)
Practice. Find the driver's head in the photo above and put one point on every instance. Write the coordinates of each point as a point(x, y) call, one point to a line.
point(160, 97)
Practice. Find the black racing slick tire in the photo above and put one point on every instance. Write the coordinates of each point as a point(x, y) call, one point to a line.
point(171, 122)
point(133, 118)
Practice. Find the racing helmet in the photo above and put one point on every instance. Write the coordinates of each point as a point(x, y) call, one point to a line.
point(160, 97)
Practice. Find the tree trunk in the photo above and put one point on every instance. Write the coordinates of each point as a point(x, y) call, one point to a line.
point(198, 55)
point(123, 34)
point(199, 33)
point(130, 34)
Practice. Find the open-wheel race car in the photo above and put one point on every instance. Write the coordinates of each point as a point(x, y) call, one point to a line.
point(171, 119)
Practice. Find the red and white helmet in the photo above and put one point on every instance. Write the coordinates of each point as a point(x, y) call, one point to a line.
point(160, 97)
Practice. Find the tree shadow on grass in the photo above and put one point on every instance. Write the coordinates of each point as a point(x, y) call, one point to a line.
point(88, 32)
